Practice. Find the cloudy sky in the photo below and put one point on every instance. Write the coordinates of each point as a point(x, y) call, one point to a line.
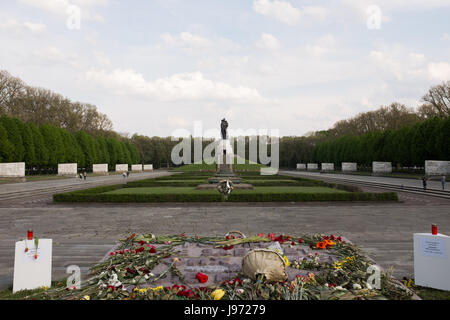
point(154, 66)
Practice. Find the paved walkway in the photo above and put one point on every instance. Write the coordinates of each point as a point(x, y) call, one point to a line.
point(83, 234)
point(431, 184)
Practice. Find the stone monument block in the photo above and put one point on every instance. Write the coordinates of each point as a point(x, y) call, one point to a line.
point(431, 260)
point(381, 167)
point(349, 166)
point(148, 167)
point(121, 168)
point(12, 170)
point(67, 169)
point(313, 166)
point(136, 167)
point(434, 167)
point(100, 168)
point(301, 166)
point(327, 166)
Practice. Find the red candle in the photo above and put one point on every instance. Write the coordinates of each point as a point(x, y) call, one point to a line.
point(30, 234)
point(434, 229)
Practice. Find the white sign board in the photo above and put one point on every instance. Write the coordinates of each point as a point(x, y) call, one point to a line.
point(431, 260)
point(31, 272)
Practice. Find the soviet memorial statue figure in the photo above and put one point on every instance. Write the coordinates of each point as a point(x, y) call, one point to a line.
point(223, 129)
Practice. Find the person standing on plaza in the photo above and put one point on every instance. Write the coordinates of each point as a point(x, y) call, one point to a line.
point(443, 182)
point(84, 175)
point(424, 182)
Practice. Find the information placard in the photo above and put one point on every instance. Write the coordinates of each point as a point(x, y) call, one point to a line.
point(32, 266)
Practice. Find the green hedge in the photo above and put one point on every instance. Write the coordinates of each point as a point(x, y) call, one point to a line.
point(90, 196)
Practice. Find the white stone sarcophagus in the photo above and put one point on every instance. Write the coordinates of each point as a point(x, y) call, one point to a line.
point(301, 166)
point(67, 169)
point(381, 167)
point(148, 167)
point(100, 168)
point(12, 170)
point(313, 166)
point(327, 166)
point(121, 168)
point(349, 166)
point(136, 167)
point(435, 168)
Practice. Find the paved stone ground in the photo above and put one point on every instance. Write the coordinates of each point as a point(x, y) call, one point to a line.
point(83, 234)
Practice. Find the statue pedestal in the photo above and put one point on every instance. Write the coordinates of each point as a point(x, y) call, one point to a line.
point(224, 160)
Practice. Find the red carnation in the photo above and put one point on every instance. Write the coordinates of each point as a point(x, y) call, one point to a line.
point(300, 240)
point(201, 277)
point(152, 250)
point(141, 242)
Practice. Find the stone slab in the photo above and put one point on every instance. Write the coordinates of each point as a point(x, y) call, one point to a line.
point(121, 167)
point(148, 167)
point(327, 166)
point(381, 167)
point(67, 169)
point(349, 166)
point(100, 168)
point(313, 166)
point(12, 170)
point(434, 167)
point(301, 166)
point(136, 167)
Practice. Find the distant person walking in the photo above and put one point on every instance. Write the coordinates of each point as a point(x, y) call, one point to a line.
point(424, 183)
point(443, 182)
point(128, 174)
point(81, 176)
point(84, 175)
point(124, 175)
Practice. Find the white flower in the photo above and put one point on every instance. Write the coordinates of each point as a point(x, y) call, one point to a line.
point(326, 285)
point(357, 286)
point(239, 291)
point(340, 288)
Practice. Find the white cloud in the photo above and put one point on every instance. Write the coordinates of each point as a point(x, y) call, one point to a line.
point(185, 39)
point(17, 26)
point(181, 86)
point(268, 41)
point(323, 45)
point(439, 71)
point(285, 12)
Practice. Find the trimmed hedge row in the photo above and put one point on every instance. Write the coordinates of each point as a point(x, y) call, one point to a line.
point(78, 196)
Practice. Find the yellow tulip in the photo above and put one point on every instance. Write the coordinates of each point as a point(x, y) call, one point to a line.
point(86, 298)
point(217, 294)
point(287, 261)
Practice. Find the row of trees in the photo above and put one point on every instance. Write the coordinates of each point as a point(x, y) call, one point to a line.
point(46, 145)
point(406, 147)
point(42, 106)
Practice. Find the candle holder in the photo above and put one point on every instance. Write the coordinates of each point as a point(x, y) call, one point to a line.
point(434, 229)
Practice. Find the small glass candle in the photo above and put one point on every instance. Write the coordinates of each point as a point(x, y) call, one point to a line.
point(434, 229)
point(30, 234)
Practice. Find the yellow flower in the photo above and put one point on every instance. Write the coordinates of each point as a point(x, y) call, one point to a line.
point(44, 288)
point(157, 288)
point(86, 298)
point(287, 261)
point(142, 290)
point(217, 294)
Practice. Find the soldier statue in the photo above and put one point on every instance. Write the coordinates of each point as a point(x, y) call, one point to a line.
point(223, 129)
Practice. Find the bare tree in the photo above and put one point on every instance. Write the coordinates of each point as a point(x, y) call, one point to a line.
point(439, 97)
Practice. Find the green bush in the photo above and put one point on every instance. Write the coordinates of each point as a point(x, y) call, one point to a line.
point(96, 195)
